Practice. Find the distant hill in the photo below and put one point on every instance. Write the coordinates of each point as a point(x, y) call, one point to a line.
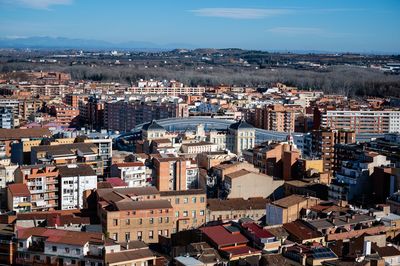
point(68, 43)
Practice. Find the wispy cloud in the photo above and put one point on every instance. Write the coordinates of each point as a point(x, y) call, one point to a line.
point(239, 13)
point(295, 30)
point(36, 4)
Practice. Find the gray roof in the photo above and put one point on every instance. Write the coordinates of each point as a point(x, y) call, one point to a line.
point(241, 124)
point(341, 221)
point(152, 125)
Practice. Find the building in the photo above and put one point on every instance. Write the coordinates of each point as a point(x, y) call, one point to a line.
point(43, 185)
point(74, 180)
point(134, 174)
point(124, 116)
point(245, 184)
point(277, 117)
point(64, 114)
point(7, 244)
point(235, 209)
point(323, 145)
point(359, 121)
point(241, 136)
point(6, 118)
point(175, 173)
point(288, 209)
point(189, 208)
point(199, 147)
point(39, 245)
point(134, 214)
point(260, 237)
point(19, 198)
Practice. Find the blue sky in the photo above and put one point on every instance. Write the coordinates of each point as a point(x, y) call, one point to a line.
point(329, 25)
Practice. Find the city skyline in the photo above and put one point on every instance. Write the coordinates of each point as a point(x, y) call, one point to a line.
point(342, 26)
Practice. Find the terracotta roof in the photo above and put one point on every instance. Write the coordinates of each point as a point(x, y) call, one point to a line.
point(129, 164)
point(19, 190)
point(237, 204)
point(142, 205)
point(222, 237)
point(387, 251)
point(301, 231)
point(239, 173)
point(289, 201)
point(18, 133)
point(61, 236)
point(182, 192)
point(129, 255)
point(116, 182)
point(257, 230)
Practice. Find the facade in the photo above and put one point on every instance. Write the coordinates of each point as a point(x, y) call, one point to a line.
point(245, 184)
point(6, 118)
point(241, 136)
point(277, 117)
point(134, 214)
point(288, 209)
point(124, 116)
point(134, 174)
point(74, 181)
point(175, 173)
point(189, 208)
point(43, 185)
point(361, 121)
point(19, 198)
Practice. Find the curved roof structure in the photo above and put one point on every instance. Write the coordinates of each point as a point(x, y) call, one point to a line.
point(152, 125)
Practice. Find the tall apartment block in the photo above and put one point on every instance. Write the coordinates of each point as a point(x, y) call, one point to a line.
point(124, 116)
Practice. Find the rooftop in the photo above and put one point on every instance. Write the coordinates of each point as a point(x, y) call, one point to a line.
point(221, 236)
point(19, 190)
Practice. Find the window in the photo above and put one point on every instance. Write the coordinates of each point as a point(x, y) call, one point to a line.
point(151, 236)
point(151, 220)
point(139, 235)
point(140, 221)
point(160, 220)
point(185, 200)
point(185, 213)
point(115, 222)
point(193, 214)
point(78, 251)
point(202, 213)
point(159, 232)
point(176, 200)
point(54, 248)
point(128, 222)
point(194, 200)
point(66, 250)
point(166, 232)
point(115, 236)
point(202, 199)
point(166, 220)
point(20, 244)
point(127, 236)
point(177, 214)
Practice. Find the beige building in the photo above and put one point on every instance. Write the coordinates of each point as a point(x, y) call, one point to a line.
point(189, 208)
point(245, 184)
point(288, 209)
point(134, 214)
point(241, 136)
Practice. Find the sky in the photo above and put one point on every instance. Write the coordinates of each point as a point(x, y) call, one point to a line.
point(319, 25)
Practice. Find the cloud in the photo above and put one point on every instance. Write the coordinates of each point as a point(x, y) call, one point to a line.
point(295, 30)
point(36, 4)
point(239, 13)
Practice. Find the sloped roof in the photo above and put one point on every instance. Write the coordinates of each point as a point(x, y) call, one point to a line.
point(241, 124)
point(152, 125)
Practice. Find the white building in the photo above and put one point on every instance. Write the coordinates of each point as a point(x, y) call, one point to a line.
point(134, 174)
point(74, 181)
point(19, 198)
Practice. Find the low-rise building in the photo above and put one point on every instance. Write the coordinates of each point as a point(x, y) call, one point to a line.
point(19, 198)
point(135, 174)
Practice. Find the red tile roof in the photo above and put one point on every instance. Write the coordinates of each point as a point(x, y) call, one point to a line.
point(116, 182)
point(19, 190)
point(257, 230)
point(129, 164)
point(222, 237)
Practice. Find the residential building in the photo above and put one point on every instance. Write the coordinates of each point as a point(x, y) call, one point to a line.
point(19, 198)
point(245, 184)
point(6, 118)
point(74, 180)
point(134, 214)
point(288, 209)
point(135, 174)
point(7, 244)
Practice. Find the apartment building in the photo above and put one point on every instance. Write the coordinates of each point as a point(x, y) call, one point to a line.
point(134, 214)
point(323, 145)
point(75, 153)
point(42, 183)
point(288, 209)
point(359, 121)
point(19, 198)
point(74, 180)
point(44, 246)
point(124, 116)
point(277, 117)
point(6, 118)
point(175, 173)
point(164, 90)
point(52, 90)
point(134, 174)
point(10, 137)
point(189, 208)
point(64, 114)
